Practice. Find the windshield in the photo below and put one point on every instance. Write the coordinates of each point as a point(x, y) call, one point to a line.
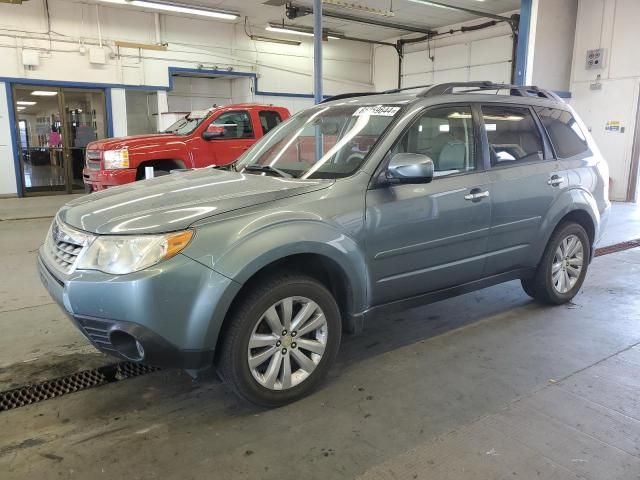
point(324, 142)
point(188, 123)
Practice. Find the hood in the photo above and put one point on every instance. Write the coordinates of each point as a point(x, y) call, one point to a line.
point(173, 202)
point(132, 141)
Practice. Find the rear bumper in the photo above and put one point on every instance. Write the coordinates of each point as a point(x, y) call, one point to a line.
point(174, 314)
point(100, 179)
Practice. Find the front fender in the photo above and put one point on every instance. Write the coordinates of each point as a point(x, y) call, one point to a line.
point(170, 151)
point(568, 201)
point(266, 246)
point(247, 256)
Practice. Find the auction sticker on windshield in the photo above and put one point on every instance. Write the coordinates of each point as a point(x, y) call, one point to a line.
point(377, 110)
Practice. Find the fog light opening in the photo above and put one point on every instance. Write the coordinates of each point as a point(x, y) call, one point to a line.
point(127, 345)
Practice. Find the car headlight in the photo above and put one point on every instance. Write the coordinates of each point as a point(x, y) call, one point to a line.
point(120, 255)
point(114, 159)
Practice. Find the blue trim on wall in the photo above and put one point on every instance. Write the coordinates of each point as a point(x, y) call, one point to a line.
point(171, 71)
point(14, 140)
point(108, 108)
point(522, 49)
point(63, 83)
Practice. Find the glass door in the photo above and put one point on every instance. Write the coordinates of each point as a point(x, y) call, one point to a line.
point(84, 121)
point(54, 126)
point(40, 138)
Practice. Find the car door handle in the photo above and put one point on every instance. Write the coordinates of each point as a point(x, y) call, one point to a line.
point(556, 181)
point(476, 195)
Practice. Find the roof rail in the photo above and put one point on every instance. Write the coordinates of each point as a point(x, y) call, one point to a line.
point(347, 95)
point(469, 87)
point(433, 90)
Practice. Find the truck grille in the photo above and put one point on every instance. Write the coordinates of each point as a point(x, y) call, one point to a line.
point(63, 246)
point(93, 158)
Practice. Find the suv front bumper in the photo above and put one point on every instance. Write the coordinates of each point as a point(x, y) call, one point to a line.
point(172, 314)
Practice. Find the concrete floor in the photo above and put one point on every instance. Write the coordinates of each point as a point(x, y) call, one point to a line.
point(487, 385)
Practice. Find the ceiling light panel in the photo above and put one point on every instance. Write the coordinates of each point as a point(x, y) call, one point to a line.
point(178, 8)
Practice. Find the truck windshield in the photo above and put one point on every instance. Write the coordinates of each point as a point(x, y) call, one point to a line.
point(188, 123)
point(328, 141)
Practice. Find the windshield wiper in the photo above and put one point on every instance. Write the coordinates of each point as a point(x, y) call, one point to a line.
point(268, 169)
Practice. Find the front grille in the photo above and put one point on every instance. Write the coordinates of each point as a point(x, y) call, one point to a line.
point(64, 245)
point(98, 332)
point(93, 159)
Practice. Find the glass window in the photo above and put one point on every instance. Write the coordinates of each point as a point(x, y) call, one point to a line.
point(513, 135)
point(235, 124)
point(269, 120)
point(446, 136)
point(566, 136)
point(328, 141)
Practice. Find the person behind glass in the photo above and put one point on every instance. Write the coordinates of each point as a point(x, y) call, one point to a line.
point(55, 141)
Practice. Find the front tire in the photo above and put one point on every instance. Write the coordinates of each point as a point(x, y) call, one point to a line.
point(283, 338)
point(563, 267)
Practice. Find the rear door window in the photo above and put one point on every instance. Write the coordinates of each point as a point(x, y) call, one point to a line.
point(565, 133)
point(269, 119)
point(513, 135)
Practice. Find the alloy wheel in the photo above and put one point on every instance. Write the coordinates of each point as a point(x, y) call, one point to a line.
point(567, 264)
point(287, 343)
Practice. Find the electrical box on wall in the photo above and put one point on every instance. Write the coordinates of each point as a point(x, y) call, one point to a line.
point(595, 59)
point(98, 56)
point(30, 58)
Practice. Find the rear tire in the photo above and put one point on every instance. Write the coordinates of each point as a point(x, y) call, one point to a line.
point(271, 368)
point(563, 267)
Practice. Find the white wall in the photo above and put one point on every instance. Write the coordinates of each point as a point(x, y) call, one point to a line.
point(192, 43)
point(119, 111)
point(480, 55)
point(552, 46)
point(613, 25)
point(8, 176)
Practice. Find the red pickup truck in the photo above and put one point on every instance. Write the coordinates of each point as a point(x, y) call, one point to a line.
point(209, 137)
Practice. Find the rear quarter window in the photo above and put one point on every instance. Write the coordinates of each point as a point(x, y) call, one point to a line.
point(565, 133)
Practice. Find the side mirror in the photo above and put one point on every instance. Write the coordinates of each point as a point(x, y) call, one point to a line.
point(212, 132)
point(410, 168)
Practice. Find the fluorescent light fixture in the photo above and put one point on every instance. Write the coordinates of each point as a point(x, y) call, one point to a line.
point(432, 4)
point(44, 93)
point(178, 8)
point(28, 104)
point(20, 108)
point(288, 30)
point(259, 38)
point(293, 30)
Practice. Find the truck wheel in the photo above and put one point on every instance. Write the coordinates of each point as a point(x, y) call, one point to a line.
point(283, 337)
point(563, 267)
